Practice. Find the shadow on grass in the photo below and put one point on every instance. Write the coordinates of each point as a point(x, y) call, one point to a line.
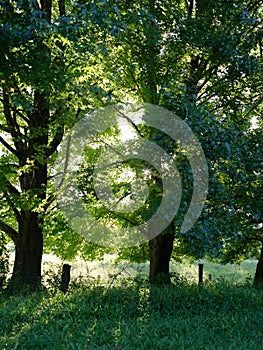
point(135, 316)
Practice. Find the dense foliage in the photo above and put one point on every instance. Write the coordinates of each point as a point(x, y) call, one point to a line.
point(200, 59)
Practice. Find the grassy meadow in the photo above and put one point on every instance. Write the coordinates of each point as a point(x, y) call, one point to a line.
point(106, 270)
point(113, 307)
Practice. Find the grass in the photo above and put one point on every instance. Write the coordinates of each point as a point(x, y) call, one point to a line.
point(123, 313)
point(104, 270)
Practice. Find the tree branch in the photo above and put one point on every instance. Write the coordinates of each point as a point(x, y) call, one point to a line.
point(190, 6)
point(13, 207)
point(13, 234)
point(131, 122)
point(21, 115)
point(11, 123)
point(62, 8)
point(12, 189)
point(7, 146)
point(55, 142)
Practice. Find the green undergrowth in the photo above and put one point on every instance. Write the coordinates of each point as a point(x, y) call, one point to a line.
point(135, 315)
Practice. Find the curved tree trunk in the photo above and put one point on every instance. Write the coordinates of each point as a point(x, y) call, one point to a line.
point(258, 280)
point(161, 248)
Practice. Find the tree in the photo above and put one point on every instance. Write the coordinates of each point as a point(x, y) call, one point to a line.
point(201, 60)
point(45, 82)
point(196, 59)
point(25, 120)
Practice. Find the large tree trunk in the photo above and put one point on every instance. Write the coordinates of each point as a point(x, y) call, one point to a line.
point(161, 248)
point(258, 280)
point(29, 241)
point(33, 182)
point(29, 250)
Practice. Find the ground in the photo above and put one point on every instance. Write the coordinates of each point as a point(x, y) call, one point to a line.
point(119, 311)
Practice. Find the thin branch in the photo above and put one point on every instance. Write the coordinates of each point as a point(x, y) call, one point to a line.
point(208, 74)
point(7, 146)
point(16, 125)
point(12, 189)
point(12, 124)
point(13, 207)
point(254, 105)
point(129, 221)
point(13, 234)
point(131, 122)
point(134, 79)
point(22, 116)
point(165, 77)
point(49, 201)
point(66, 163)
point(190, 6)
point(55, 142)
point(8, 115)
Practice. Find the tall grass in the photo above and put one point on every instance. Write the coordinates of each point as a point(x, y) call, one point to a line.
point(106, 269)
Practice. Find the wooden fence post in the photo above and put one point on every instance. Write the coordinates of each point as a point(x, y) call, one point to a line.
point(201, 273)
point(65, 277)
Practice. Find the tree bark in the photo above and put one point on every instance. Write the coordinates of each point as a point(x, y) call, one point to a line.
point(29, 250)
point(258, 279)
point(161, 248)
point(29, 241)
